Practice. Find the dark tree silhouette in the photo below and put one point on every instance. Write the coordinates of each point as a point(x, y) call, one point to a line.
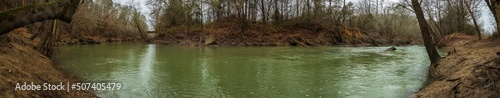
point(17, 17)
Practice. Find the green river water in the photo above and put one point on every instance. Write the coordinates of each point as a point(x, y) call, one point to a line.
point(277, 72)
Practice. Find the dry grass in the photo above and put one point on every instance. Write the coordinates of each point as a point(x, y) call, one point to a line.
point(20, 62)
point(472, 72)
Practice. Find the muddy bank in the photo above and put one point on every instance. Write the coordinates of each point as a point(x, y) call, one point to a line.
point(471, 69)
point(20, 62)
point(65, 39)
point(231, 34)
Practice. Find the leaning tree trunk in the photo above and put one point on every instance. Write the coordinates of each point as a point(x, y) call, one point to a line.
point(141, 32)
point(494, 7)
point(44, 46)
point(424, 27)
point(17, 17)
point(38, 31)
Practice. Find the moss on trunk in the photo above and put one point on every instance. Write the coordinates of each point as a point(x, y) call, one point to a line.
point(21, 16)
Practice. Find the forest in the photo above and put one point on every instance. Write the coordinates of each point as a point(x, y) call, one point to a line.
point(310, 22)
point(384, 22)
point(41, 27)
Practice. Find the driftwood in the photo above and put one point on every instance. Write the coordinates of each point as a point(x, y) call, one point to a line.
point(17, 17)
point(311, 43)
point(299, 43)
point(391, 49)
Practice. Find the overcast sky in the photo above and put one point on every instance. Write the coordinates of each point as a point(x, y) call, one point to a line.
point(486, 19)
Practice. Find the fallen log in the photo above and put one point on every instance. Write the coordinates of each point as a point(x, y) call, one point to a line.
point(299, 43)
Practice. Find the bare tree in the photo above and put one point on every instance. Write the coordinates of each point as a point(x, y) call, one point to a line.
point(139, 22)
point(429, 46)
point(473, 16)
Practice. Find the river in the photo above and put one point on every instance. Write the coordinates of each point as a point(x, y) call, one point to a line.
point(320, 72)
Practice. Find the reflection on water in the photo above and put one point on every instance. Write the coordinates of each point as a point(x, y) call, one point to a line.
point(145, 70)
point(166, 71)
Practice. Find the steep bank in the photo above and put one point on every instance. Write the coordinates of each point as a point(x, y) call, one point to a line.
point(20, 62)
point(301, 34)
point(471, 69)
point(65, 39)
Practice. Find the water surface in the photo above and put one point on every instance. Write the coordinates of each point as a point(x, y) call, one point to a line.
point(169, 71)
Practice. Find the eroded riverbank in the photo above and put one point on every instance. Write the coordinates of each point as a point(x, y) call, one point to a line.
point(20, 62)
point(299, 34)
point(471, 70)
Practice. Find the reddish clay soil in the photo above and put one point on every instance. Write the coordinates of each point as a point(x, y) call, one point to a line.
point(20, 62)
point(231, 34)
point(65, 39)
point(471, 69)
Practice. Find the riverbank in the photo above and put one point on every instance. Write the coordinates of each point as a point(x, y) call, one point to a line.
point(65, 39)
point(471, 69)
point(20, 62)
point(301, 34)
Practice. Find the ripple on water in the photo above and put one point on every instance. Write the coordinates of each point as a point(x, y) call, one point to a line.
point(165, 71)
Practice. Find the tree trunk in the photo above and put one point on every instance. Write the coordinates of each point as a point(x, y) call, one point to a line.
point(21, 16)
point(475, 24)
point(264, 15)
point(44, 45)
point(434, 28)
point(55, 33)
point(38, 30)
point(494, 7)
point(201, 18)
point(424, 27)
point(469, 9)
point(297, 8)
point(141, 32)
point(308, 6)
